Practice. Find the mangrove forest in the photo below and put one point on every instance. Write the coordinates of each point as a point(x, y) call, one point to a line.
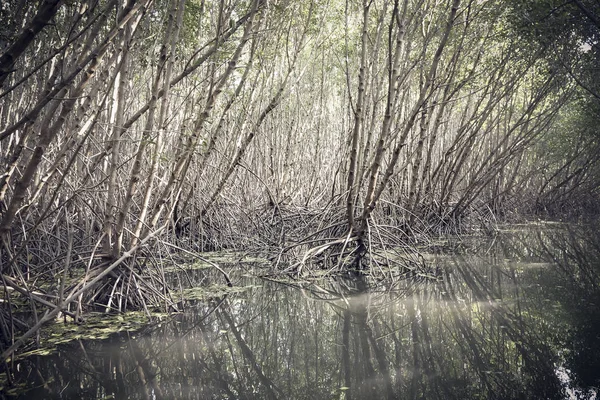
point(303, 199)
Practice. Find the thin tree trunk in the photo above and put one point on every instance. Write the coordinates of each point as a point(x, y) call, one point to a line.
point(358, 119)
point(374, 195)
point(171, 38)
point(45, 13)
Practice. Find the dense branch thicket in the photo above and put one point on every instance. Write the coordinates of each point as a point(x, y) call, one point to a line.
point(331, 130)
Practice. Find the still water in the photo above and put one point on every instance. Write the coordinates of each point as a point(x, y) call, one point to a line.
point(513, 317)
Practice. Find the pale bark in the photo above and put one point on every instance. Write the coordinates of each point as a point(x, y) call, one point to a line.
point(175, 180)
point(398, 16)
point(358, 119)
point(273, 103)
point(48, 134)
point(168, 50)
point(116, 119)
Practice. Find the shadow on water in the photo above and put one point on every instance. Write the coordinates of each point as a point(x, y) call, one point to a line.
point(516, 318)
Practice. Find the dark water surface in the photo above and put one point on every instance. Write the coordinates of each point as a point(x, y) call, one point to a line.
point(516, 317)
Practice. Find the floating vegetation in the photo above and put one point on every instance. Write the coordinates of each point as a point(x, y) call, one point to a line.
point(216, 290)
point(198, 265)
point(96, 326)
point(209, 260)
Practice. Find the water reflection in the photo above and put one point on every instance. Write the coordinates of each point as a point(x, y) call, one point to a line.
point(514, 318)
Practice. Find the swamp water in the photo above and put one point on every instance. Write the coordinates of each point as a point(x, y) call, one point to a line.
point(514, 317)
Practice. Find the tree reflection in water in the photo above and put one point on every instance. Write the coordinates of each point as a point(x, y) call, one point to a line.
point(519, 320)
